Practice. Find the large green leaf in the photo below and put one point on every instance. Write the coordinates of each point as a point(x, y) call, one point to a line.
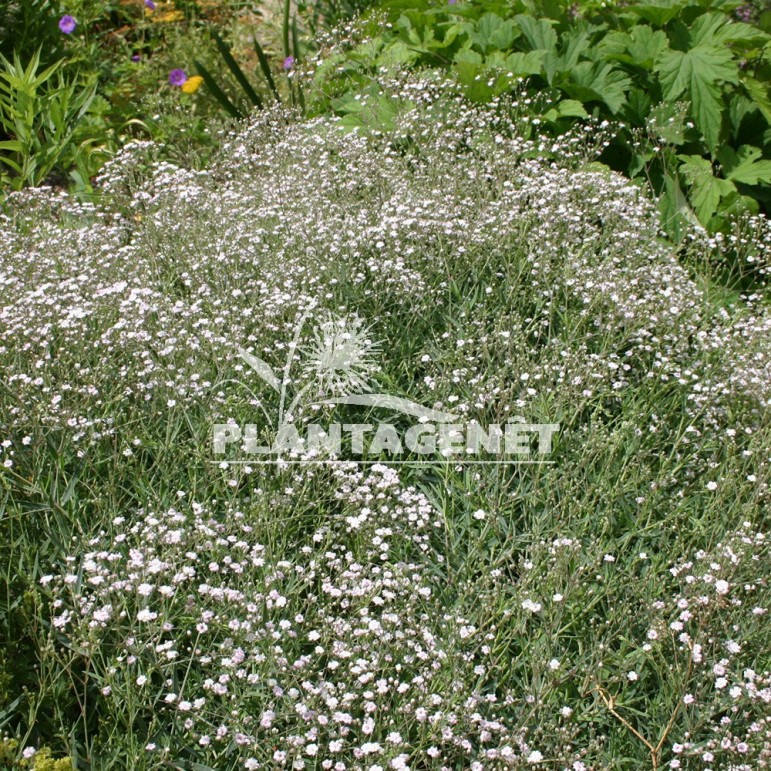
point(539, 33)
point(468, 65)
point(760, 95)
point(638, 106)
point(640, 47)
point(746, 166)
point(574, 45)
point(645, 45)
point(675, 210)
point(492, 32)
point(718, 29)
point(567, 108)
point(598, 82)
point(698, 73)
point(658, 12)
point(530, 63)
point(667, 121)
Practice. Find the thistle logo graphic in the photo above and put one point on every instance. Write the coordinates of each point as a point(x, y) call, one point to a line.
point(342, 355)
point(337, 367)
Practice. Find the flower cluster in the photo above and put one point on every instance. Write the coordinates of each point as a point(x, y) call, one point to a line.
point(372, 617)
point(339, 654)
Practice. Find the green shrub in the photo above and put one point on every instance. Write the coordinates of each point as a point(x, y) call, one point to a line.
point(687, 83)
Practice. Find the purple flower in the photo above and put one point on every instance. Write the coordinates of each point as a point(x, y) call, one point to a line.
point(177, 77)
point(135, 58)
point(67, 24)
point(289, 62)
point(150, 4)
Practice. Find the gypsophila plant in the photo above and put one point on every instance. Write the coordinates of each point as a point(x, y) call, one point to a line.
point(606, 610)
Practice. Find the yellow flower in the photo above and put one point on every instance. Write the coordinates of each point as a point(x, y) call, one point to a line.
point(163, 17)
point(191, 85)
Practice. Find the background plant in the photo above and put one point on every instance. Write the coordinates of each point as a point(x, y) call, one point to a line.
point(41, 110)
point(687, 82)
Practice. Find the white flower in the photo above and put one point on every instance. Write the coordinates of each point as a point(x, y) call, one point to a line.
point(534, 757)
point(146, 615)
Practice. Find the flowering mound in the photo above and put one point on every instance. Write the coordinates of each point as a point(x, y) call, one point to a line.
point(607, 604)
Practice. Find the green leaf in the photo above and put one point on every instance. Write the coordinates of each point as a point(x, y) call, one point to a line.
point(699, 73)
point(397, 54)
point(667, 121)
point(285, 27)
point(640, 47)
point(492, 32)
point(530, 63)
point(706, 189)
point(571, 108)
point(718, 29)
point(265, 67)
point(646, 45)
point(739, 108)
point(674, 208)
point(8, 162)
point(468, 64)
point(567, 108)
point(599, 82)
point(218, 93)
point(745, 166)
point(659, 12)
point(760, 95)
point(539, 33)
point(238, 73)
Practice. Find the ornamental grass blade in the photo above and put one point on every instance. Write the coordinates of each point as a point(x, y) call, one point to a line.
point(285, 28)
point(265, 67)
point(218, 93)
point(238, 73)
point(296, 54)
